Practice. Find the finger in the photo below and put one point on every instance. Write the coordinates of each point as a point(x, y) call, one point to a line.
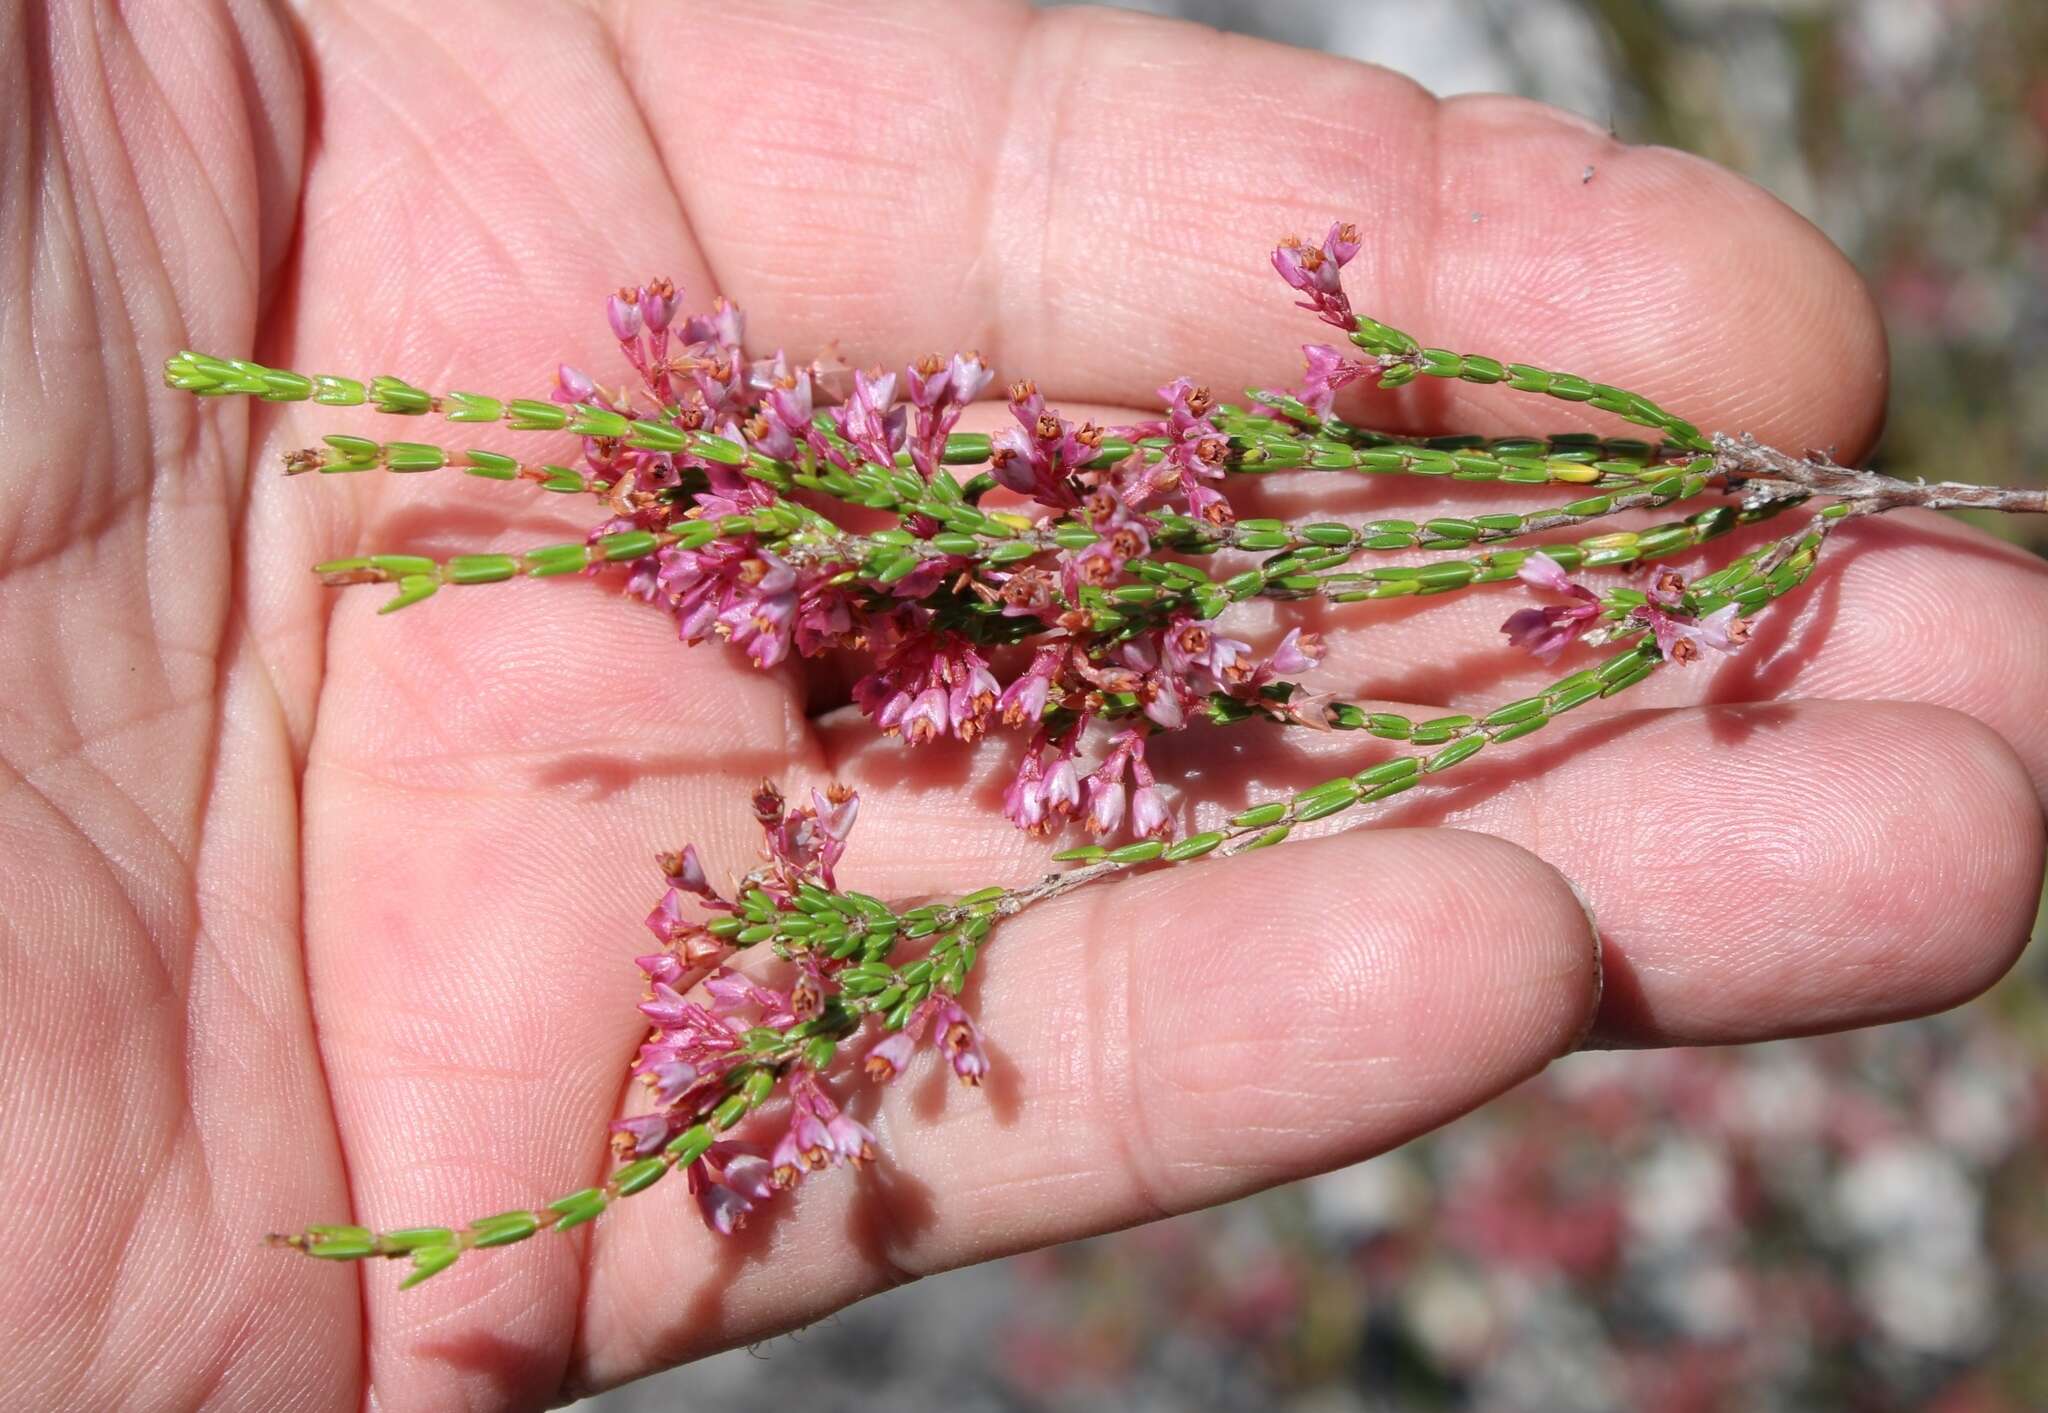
point(1756, 871)
point(1090, 197)
point(1164, 1044)
point(1783, 869)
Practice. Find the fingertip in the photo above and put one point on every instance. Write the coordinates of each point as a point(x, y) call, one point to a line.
point(1382, 983)
point(1968, 925)
point(1647, 267)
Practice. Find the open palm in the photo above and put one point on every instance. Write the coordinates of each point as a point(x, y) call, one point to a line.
point(309, 914)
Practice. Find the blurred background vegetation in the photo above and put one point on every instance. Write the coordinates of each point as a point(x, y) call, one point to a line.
point(1856, 1222)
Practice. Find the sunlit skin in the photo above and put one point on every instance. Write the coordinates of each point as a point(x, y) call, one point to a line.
point(313, 915)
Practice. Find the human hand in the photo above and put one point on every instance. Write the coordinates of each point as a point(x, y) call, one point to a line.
point(311, 914)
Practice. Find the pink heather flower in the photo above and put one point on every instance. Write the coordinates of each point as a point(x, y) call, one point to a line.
point(730, 991)
point(723, 1210)
point(890, 1056)
point(835, 815)
point(623, 311)
point(1148, 814)
point(1680, 635)
point(667, 918)
point(1148, 808)
point(668, 1007)
point(1063, 783)
point(806, 840)
point(751, 596)
point(851, 1139)
point(871, 420)
point(643, 1135)
point(1298, 652)
point(745, 1171)
point(1022, 703)
point(1024, 796)
point(1548, 631)
point(928, 685)
point(811, 1140)
point(925, 717)
point(687, 873)
point(670, 1080)
point(1209, 504)
point(573, 385)
point(662, 967)
point(955, 1038)
point(787, 1162)
point(808, 992)
point(789, 402)
point(657, 305)
point(961, 1045)
point(1042, 793)
point(1314, 271)
point(1161, 702)
point(1328, 371)
point(938, 392)
point(819, 1135)
point(723, 328)
point(1193, 654)
point(1196, 448)
point(1106, 800)
point(972, 699)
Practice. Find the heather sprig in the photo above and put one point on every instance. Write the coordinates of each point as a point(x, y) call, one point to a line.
point(1074, 584)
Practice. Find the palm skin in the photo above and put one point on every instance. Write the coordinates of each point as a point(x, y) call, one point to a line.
point(311, 915)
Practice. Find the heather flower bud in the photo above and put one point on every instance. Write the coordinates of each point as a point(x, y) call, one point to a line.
point(572, 385)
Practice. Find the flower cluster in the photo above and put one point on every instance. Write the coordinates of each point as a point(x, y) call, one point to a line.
point(724, 1044)
point(1680, 631)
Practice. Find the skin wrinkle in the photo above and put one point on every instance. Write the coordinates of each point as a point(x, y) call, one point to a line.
point(618, 32)
point(986, 272)
point(1120, 1098)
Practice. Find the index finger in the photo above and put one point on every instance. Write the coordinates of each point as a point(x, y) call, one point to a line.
point(1089, 198)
